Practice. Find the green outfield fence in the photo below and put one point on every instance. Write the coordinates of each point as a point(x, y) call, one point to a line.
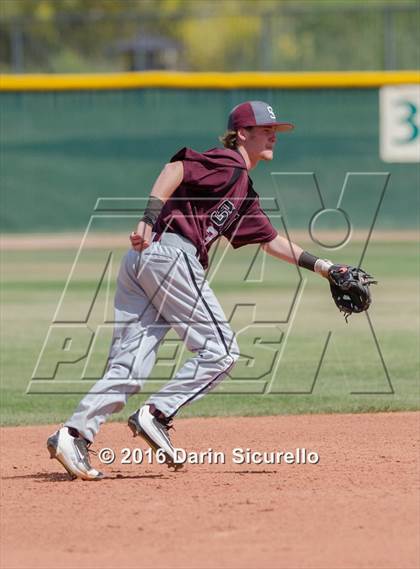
point(67, 141)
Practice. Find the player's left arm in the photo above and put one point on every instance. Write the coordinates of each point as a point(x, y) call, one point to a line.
point(349, 285)
point(283, 249)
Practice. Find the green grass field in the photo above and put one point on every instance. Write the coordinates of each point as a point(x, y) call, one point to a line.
point(281, 342)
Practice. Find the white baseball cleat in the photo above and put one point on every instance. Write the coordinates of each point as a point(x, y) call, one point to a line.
point(152, 425)
point(71, 450)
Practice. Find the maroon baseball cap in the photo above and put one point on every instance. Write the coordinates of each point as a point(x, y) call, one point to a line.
point(255, 113)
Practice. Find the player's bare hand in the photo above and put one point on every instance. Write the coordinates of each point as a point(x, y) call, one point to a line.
point(141, 238)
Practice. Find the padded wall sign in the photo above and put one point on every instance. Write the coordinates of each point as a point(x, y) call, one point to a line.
point(400, 123)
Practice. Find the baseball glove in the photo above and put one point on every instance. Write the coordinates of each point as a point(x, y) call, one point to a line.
point(350, 288)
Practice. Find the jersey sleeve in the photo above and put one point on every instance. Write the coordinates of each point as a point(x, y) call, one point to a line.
point(252, 227)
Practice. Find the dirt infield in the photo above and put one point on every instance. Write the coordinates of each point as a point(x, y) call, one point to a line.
point(358, 507)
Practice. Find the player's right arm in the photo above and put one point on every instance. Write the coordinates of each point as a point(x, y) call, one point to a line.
point(166, 183)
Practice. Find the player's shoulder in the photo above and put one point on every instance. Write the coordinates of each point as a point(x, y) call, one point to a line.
point(212, 158)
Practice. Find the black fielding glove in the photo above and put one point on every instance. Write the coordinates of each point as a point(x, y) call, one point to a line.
point(350, 288)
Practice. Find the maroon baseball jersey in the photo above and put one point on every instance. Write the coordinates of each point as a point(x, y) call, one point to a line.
point(215, 198)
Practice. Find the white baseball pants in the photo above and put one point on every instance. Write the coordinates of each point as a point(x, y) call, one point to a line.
point(161, 288)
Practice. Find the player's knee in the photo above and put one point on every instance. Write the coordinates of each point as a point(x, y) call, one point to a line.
point(229, 355)
point(234, 351)
point(229, 352)
point(222, 354)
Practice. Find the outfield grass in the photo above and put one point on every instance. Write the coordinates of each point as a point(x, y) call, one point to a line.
point(281, 342)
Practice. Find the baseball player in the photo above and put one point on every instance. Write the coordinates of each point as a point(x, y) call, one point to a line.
point(196, 198)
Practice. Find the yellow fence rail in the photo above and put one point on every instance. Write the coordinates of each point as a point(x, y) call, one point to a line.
point(180, 80)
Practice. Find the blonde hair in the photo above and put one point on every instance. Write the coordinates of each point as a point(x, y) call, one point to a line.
point(229, 139)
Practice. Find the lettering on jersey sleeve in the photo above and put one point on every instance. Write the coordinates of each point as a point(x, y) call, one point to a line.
point(219, 219)
point(222, 213)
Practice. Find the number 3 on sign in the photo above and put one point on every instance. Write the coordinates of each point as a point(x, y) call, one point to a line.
point(399, 123)
point(410, 119)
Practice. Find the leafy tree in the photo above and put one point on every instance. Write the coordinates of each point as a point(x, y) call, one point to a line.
point(79, 35)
